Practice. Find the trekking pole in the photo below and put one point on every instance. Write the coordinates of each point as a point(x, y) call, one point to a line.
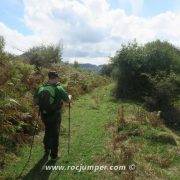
point(31, 147)
point(69, 131)
point(30, 152)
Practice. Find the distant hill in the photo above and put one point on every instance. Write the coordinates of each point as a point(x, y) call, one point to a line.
point(91, 67)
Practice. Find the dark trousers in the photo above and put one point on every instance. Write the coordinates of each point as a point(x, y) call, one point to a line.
point(52, 130)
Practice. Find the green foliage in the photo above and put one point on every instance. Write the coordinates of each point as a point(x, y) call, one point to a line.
point(2, 44)
point(158, 160)
point(19, 79)
point(163, 92)
point(106, 70)
point(127, 64)
point(76, 64)
point(147, 72)
point(161, 56)
point(44, 55)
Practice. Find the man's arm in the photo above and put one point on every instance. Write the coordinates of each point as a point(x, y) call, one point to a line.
point(64, 95)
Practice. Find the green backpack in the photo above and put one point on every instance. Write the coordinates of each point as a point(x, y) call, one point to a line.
point(47, 99)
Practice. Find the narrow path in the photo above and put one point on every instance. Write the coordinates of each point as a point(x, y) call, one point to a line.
point(89, 115)
point(89, 138)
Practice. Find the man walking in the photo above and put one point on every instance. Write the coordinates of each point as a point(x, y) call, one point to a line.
point(49, 98)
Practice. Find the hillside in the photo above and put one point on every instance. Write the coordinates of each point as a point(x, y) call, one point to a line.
point(105, 134)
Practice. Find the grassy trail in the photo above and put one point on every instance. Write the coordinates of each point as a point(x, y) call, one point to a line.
point(90, 139)
point(89, 115)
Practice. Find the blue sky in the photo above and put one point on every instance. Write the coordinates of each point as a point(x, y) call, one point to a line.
point(11, 14)
point(91, 30)
point(150, 7)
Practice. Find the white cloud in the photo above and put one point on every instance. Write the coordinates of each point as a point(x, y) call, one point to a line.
point(14, 39)
point(91, 31)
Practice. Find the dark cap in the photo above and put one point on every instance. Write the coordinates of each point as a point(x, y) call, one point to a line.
point(53, 74)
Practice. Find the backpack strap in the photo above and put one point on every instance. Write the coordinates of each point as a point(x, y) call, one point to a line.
point(55, 91)
point(57, 102)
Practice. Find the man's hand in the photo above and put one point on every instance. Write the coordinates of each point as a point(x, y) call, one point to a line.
point(70, 97)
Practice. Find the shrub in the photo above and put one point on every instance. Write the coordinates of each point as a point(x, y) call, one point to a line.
point(44, 55)
point(127, 63)
point(163, 92)
point(106, 70)
point(148, 73)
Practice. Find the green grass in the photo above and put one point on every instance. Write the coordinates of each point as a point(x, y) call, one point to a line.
point(154, 149)
point(90, 140)
point(88, 137)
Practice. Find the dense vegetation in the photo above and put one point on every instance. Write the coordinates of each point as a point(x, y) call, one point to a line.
point(148, 73)
point(104, 131)
point(44, 56)
point(19, 77)
point(141, 138)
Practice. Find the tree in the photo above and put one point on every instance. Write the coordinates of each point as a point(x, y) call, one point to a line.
point(76, 64)
point(44, 55)
point(106, 70)
point(147, 73)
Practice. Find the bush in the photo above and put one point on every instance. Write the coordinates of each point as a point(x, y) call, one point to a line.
point(148, 73)
point(106, 70)
point(163, 92)
point(132, 82)
point(44, 55)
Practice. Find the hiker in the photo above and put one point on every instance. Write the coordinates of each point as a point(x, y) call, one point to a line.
point(49, 97)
